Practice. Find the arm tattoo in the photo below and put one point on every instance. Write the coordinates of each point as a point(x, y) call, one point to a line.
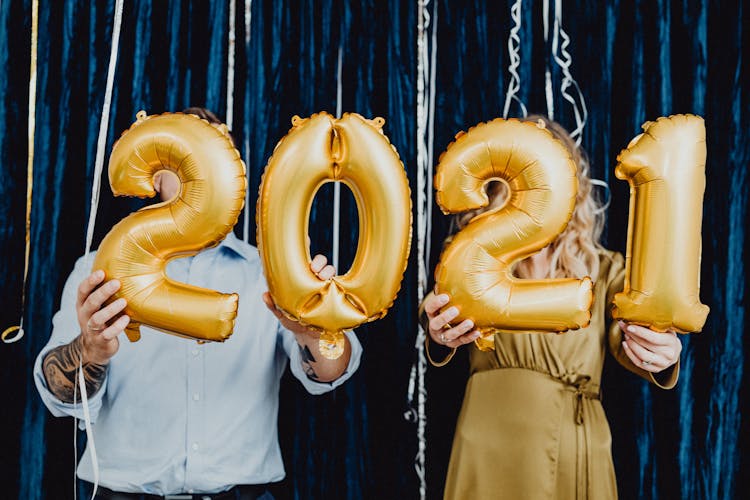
point(59, 368)
point(307, 358)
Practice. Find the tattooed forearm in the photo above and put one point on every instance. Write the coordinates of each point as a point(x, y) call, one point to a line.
point(307, 358)
point(59, 368)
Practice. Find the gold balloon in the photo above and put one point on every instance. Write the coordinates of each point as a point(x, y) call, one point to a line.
point(137, 249)
point(475, 269)
point(666, 169)
point(354, 151)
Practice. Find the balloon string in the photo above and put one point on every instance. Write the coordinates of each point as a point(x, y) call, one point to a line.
point(103, 125)
point(425, 119)
point(548, 94)
point(246, 213)
point(29, 172)
point(564, 60)
point(337, 185)
point(230, 63)
point(514, 54)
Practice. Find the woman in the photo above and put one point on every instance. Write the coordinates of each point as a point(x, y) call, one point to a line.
point(532, 425)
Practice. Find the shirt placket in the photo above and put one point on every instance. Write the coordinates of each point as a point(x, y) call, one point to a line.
point(195, 355)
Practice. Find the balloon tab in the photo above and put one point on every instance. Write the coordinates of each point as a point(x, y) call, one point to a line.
point(331, 345)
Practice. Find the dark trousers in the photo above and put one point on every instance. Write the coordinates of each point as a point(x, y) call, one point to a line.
point(249, 492)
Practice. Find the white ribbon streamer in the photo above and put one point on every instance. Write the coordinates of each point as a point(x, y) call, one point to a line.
point(337, 185)
point(95, 190)
point(230, 63)
point(246, 214)
point(425, 120)
point(563, 60)
point(514, 53)
point(87, 422)
point(103, 126)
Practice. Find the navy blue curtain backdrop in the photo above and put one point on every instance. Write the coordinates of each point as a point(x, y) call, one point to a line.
point(634, 60)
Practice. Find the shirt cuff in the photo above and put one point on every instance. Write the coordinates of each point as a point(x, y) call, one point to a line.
point(59, 408)
point(316, 388)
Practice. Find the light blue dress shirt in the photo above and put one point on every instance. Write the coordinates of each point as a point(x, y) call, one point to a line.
point(177, 416)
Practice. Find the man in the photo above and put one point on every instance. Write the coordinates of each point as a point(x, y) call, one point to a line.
point(172, 416)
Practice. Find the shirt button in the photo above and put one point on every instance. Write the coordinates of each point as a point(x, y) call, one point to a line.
point(196, 352)
point(195, 446)
point(196, 396)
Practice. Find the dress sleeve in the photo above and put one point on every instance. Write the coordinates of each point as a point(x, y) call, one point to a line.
point(667, 379)
point(64, 329)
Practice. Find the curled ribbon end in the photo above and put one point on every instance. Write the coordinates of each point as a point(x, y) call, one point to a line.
point(16, 337)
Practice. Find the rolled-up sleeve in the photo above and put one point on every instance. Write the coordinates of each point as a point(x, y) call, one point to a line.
point(289, 343)
point(64, 330)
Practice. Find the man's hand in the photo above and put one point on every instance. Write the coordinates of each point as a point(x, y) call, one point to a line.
point(649, 350)
point(315, 365)
point(95, 345)
point(99, 325)
point(322, 270)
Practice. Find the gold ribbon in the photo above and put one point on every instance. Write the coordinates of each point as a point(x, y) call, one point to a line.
point(30, 170)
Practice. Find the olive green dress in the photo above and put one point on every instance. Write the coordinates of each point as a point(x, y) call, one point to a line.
point(531, 425)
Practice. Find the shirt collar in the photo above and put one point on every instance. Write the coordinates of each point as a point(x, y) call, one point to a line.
point(239, 247)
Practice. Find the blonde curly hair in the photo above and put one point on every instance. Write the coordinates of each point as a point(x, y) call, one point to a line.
point(575, 252)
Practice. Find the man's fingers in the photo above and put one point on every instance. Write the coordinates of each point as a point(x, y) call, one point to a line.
point(100, 318)
point(116, 328)
point(96, 298)
point(434, 303)
point(318, 263)
point(87, 285)
point(271, 305)
point(327, 272)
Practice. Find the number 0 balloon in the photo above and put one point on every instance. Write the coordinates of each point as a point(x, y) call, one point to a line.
point(137, 249)
point(355, 151)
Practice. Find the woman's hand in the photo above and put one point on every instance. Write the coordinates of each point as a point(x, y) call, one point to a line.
point(649, 350)
point(440, 329)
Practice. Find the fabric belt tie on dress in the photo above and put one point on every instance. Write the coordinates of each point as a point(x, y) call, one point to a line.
point(580, 386)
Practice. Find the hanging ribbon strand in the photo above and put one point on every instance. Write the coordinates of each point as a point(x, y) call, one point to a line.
point(103, 126)
point(246, 212)
point(425, 120)
point(547, 73)
point(29, 172)
point(564, 60)
point(95, 191)
point(514, 54)
point(337, 185)
point(230, 63)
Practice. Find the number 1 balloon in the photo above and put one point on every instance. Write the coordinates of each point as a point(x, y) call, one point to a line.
point(665, 167)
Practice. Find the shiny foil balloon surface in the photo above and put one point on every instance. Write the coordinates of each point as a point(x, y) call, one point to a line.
point(136, 250)
point(323, 149)
point(665, 167)
point(475, 267)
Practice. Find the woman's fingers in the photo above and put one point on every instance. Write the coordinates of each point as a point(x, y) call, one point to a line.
point(439, 322)
point(434, 303)
point(644, 358)
point(664, 344)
